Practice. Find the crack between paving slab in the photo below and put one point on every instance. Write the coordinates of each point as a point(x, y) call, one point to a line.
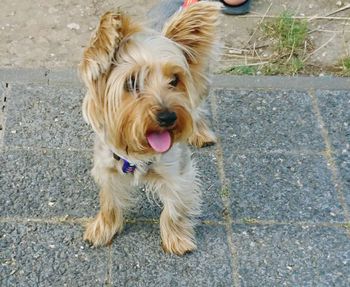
point(235, 152)
point(227, 214)
point(66, 219)
point(4, 99)
point(83, 220)
point(109, 267)
point(328, 155)
point(45, 149)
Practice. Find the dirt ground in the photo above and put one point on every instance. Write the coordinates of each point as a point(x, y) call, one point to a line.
point(52, 33)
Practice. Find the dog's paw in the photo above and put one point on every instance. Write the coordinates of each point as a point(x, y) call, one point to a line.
point(203, 138)
point(99, 233)
point(174, 244)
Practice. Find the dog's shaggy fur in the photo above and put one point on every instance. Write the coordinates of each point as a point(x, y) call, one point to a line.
point(133, 76)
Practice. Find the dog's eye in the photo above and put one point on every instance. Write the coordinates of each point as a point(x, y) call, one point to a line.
point(174, 81)
point(131, 84)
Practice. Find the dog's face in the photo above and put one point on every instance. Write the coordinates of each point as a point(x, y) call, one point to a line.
point(148, 95)
point(144, 86)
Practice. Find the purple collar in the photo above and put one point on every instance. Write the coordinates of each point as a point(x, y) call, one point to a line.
point(127, 166)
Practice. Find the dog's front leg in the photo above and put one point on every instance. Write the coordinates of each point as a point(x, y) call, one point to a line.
point(114, 197)
point(180, 196)
point(176, 225)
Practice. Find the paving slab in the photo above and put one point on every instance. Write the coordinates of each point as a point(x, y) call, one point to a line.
point(286, 255)
point(282, 187)
point(49, 255)
point(342, 160)
point(42, 183)
point(335, 112)
point(137, 259)
point(46, 116)
point(267, 120)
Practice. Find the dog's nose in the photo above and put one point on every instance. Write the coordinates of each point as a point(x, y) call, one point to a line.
point(166, 119)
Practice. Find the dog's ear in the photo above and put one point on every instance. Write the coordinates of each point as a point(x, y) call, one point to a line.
point(98, 56)
point(195, 29)
point(97, 59)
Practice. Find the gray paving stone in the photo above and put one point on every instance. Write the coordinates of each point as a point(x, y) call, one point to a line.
point(343, 164)
point(46, 183)
point(46, 116)
point(282, 187)
point(285, 255)
point(335, 112)
point(137, 259)
point(49, 255)
point(267, 120)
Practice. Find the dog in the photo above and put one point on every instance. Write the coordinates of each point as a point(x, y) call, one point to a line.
point(144, 94)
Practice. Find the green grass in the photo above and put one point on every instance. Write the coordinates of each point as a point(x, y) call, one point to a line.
point(347, 226)
point(345, 67)
point(242, 70)
point(224, 192)
point(290, 43)
point(250, 220)
point(290, 34)
point(290, 46)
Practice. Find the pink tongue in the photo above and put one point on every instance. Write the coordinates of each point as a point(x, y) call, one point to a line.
point(160, 142)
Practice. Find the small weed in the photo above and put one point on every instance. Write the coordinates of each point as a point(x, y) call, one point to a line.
point(289, 43)
point(347, 226)
point(242, 70)
point(250, 221)
point(345, 67)
point(289, 33)
point(224, 192)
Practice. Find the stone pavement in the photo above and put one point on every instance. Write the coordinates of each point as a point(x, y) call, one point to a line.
point(276, 189)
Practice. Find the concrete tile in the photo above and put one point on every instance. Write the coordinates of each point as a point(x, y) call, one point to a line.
point(335, 111)
point(49, 255)
point(282, 187)
point(267, 120)
point(343, 164)
point(40, 183)
point(46, 116)
point(286, 255)
point(137, 259)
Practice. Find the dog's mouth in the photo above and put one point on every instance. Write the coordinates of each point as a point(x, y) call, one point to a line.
point(159, 141)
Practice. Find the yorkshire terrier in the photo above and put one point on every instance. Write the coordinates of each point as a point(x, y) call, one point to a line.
point(143, 100)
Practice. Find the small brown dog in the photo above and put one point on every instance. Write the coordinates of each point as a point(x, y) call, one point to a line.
point(144, 91)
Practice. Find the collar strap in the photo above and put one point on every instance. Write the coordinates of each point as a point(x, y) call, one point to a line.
point(127, 166)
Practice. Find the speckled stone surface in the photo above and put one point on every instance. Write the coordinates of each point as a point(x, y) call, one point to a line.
point(49, 255)
point(335, 112)
point(282, 187)
point(288, 255)
point(267, 120)
point(45, 116)
point(40, 183)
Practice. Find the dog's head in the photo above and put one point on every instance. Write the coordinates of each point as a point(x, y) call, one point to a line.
point(143, 86)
